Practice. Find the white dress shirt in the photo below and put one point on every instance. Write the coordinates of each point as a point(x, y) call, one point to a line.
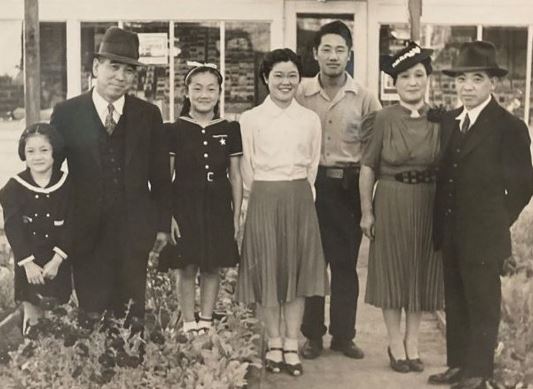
point(101, 107)
point(280, 144)
point(472, 114)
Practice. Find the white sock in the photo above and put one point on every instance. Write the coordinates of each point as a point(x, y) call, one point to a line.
point(189, 326)
point(291, 345)
point(205, 322)
point(274, 355)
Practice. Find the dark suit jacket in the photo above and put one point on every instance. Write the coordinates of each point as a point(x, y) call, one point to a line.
point(146, 170)
point(493, 182)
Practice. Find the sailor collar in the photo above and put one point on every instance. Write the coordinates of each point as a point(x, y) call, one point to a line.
point(191, 120)
point(56, 181)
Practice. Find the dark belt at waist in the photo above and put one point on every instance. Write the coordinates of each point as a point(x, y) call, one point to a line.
point(413, 176)
point(337, 172)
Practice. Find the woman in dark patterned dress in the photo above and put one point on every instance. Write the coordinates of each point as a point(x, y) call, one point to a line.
point(35, 205)
point(205, 152)
point(404, 271)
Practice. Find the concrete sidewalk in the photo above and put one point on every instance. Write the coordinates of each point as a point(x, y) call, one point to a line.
point(333, 370)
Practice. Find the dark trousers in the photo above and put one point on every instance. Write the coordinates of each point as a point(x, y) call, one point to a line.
point(473, 298)
point(111, 275)
point(339, 214)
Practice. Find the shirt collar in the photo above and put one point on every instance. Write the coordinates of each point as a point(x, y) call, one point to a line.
point(473, 114)
point(101, 104)
point(273, 109)
point(314, 86)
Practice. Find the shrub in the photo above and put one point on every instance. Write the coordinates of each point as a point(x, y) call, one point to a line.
point(514, 355)
point(61, 353)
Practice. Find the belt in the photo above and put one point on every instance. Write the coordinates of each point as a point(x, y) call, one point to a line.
point(338, 172)
point(416, 176)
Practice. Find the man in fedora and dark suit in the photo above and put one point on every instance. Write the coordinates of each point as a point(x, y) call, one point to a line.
point(485, 181)
point(118, 162)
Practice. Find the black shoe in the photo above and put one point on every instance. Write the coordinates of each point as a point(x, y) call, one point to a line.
point(311, 349)
point(415, 365)
point(348, 348)
point(294, 370)
point(471, 383)
point(399, 365)
point(271, 365)
point(450, 376)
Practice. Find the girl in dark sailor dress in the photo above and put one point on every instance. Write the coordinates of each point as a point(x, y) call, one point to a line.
point(207, 194)
point(35, 203)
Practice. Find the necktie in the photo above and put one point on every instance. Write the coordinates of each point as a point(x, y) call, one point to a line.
point(110, 123)
point(466, 125)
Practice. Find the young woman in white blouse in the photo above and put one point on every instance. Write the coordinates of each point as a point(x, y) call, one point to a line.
point(282, 258)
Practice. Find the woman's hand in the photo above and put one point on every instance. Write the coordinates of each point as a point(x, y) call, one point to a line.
point(52, 267)
point(174, 232)
point(236, 226)
point(367, 225)
point(34, 273)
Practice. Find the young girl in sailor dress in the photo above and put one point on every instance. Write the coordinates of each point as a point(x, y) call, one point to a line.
point(34, 204)
point(207, 195)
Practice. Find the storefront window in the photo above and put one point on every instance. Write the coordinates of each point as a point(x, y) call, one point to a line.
point(53, 46)
point(446, 41)
point(392, 38)
point(246, 44)
point(91, 37)
point(307, 25)
point(198, 42)
point(511, 46)
point(11, 73)
point(152, 82)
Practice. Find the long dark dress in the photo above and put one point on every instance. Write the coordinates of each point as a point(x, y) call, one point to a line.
point(36, 227)
point(202, 195)
point(404, 270)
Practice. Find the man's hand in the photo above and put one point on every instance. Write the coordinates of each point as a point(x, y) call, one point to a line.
point(52, 267)
point(161, 241)
point(367, 225)
point(175, 233)
point(34, 273)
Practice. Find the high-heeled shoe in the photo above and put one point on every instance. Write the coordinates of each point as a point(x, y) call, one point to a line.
point(399, 365)
point(416, 364)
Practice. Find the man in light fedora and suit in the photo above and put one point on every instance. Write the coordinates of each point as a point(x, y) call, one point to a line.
point(118, 162)
point(485, 181)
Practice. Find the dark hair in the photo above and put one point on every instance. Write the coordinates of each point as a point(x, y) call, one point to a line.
point(336, 27)
point(277, 56)
point(427, 65)
point(50, 133)
point(188, 77)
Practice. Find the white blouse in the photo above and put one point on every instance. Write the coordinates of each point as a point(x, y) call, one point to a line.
point(280, 144)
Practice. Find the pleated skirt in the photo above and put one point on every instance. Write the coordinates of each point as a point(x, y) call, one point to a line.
point(282, 255)
point(404, 270)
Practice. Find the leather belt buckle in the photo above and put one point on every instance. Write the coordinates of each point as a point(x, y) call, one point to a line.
point(209, 176)
point(334, 172)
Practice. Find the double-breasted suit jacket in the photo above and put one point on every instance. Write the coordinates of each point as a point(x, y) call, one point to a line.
point(144, 200)
point(485, 181)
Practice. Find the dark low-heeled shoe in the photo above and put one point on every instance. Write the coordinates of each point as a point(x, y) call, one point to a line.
point(399, 365)
point(450, 376)
point(294, 370)
point(271, 365)
point(415, 365)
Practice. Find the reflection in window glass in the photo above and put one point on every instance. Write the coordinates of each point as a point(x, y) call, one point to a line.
point(246, 44)
point(306, 26)
point(392, 38)
point(511, 51)
point(152, 83)
point(446, 41)
point(198, 42)
point(91, 37)
point(53, 46)
point(11, 74)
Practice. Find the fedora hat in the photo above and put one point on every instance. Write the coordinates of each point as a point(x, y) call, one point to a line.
point(474, 56)
point(404, 59)
point(121, 46)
